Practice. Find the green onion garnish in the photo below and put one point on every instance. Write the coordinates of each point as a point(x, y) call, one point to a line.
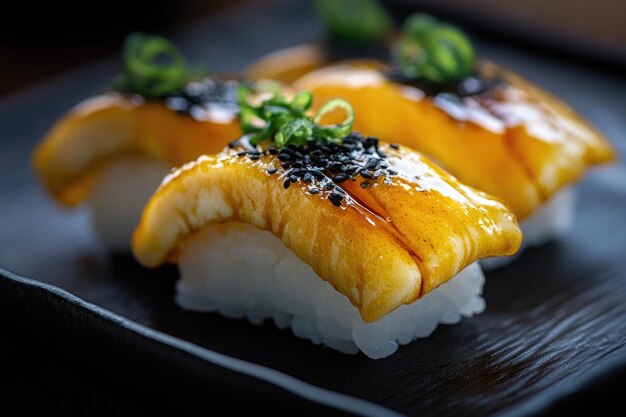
point(153, 67)
point(286, 122)
point(360, 22)
point(434, 51)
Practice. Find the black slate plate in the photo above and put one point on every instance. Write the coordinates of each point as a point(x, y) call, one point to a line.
point(554, 328)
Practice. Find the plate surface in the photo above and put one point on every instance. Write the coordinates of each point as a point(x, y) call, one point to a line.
point(555, 318)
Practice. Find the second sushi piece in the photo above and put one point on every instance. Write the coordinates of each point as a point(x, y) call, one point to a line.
point(349, 241)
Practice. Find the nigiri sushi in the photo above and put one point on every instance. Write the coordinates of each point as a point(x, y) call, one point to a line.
point(351, 242)
point(113, 150)
point(484, 124)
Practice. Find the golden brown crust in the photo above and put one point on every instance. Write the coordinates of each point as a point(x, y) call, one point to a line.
point(389, 244)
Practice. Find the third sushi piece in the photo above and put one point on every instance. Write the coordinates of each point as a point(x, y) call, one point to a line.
point(349, 241)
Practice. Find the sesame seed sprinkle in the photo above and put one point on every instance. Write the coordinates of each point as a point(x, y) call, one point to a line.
point(322, 167)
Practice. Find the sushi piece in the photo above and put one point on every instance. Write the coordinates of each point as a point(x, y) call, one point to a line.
point(484, 124)
point(111, 151)
point(349, 241)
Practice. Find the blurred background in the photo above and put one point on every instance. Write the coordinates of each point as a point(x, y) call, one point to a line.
point(52, 37)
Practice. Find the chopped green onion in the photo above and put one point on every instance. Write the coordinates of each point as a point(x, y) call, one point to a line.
point(296, 131)
point(434, 51)
point(152, 67)
point(336, 131)
point(360, 22)
point(286, 121)
point(302, 101)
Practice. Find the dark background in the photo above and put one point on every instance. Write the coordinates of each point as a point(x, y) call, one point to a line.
point(39, 41)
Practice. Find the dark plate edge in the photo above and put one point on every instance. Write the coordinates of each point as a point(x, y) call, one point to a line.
point(13, 285)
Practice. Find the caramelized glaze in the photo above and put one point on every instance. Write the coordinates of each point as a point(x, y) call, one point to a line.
point(511, 140)
point(386, 244)
point(105, 127)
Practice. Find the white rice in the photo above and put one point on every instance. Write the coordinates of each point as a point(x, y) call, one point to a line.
point(551, 221)
point(119, 195)
point(240, 271)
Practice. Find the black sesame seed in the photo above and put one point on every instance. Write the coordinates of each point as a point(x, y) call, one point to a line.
point(340, 178)
point(394, 146)
point(254, 157)
point(351, 169)
point(329, 186)
point(285, 165)
point(372, 163)
point(271, 171)
point(287, 183)
point(334, 200)
point(336, 195)
point(373, 140)
point(317, 174)
point(307, 177)
point(365, 184)
point(381, 153)
point(391, 172)
point(314, 190)
point(242, 153)
point(284, 157)
point(366, 174)
point(272, 151)
point(293, 178)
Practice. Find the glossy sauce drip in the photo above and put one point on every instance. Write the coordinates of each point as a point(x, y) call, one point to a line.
point(343, 173)
point(471, 99)
point(208, 99)
point(496, 102)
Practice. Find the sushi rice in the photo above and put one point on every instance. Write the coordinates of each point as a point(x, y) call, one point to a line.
point(551, 221)
point(119, 195)
point(243, 272)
